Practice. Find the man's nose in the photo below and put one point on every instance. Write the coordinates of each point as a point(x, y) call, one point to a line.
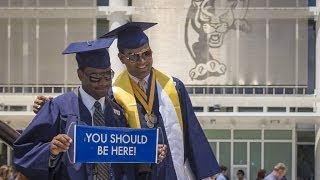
point(141, 58)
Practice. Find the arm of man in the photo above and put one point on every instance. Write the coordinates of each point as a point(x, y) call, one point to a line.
point(32, 147)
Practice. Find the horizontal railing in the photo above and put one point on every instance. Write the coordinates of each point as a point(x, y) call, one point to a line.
point(192, 89)
point(249, 90)
point(36, 89)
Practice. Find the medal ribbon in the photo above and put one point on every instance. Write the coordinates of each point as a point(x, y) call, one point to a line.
point(142, 96)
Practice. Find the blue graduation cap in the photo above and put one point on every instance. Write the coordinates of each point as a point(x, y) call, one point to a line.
point(91, 53)
point(130, 35)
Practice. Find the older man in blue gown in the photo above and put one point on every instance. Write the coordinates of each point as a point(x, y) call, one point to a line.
point(42, 150)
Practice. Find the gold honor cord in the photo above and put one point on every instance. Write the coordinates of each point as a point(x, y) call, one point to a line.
point(150, 118)
point(142, 96)
point(137, 90)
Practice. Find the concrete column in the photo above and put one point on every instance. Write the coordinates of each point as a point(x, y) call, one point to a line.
point(116, 19)
point(317, 95)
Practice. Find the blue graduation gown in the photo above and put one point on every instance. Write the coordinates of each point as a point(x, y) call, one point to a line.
point(31, 149)
point(196, 146)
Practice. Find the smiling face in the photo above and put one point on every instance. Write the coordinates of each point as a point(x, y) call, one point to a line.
point(142, 66)
point(96, 82)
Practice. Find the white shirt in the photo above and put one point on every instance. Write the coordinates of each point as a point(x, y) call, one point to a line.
point(137, 80)
point(89, 101)
point(220, 177)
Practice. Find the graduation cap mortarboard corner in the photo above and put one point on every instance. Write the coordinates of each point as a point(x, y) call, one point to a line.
point(91, 53)
point(130, 35)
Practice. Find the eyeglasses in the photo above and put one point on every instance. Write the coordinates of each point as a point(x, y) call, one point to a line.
point(134, 57)
point(96, 77)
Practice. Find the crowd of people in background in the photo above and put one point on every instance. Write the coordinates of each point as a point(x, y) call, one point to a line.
point(278, 172)
point(8, 172)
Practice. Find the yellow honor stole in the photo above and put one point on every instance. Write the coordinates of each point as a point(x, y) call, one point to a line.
point(125, 92)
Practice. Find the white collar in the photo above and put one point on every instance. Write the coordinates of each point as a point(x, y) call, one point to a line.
point(137, 79)
point(89, 101)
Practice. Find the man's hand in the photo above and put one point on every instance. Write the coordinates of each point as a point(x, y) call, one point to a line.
point(162, 152)
point(60, 143)
point(39, 102)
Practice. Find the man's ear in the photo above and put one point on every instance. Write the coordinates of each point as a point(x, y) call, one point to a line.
point(120, 56)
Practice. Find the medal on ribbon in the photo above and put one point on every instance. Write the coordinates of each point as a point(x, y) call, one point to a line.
point(146, 102)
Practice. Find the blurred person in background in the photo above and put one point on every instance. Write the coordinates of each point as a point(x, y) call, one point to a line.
point(261, 174)
point(278, 172)
point(240, 175)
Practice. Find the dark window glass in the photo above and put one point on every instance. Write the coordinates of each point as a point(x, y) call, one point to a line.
point(305, 109)
point(218, 90)
point(57, 89)
point(18, 89)
point(276, 109)
point(18, 108)
point(47, 90)
point(198, 109)
point(210, 91)
point(258, 90)
point(198, 90)
point(278, 90)
point(240, 90)
point(102, 2)
point(248, 91)
point(288, 90)
point(312, 2)
point(305, 162)
point(229, 90)
point(27, 89)
point(250, 109)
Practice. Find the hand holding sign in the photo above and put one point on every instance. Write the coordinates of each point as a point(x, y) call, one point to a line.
point(162, 151)
point(60, 143)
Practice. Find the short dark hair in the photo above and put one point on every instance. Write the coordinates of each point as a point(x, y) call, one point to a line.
point(223, 168)
point(240, 171)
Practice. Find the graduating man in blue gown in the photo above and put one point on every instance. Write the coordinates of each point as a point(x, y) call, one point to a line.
point(41, 152)
point(152, 99)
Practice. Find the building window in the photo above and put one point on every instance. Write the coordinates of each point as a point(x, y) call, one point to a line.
point(198, 109)
point(240, 153)
point(217, 133)
point(276, 109)
point(283, 152)
point(102, 2)
point(198, 90)
point(312, 2)
point(18, 108)
point(247, 134)
point(278, 134)
point(250, 109)
point(216, 108)
point(301, 109)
